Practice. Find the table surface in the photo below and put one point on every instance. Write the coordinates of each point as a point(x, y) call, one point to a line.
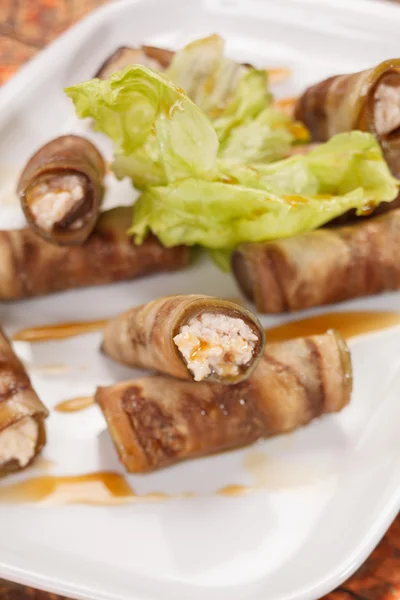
point(26, 26)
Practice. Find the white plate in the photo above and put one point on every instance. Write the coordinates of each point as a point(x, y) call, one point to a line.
point(334, 487)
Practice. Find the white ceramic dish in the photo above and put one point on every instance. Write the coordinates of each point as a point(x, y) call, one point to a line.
point(332, 488)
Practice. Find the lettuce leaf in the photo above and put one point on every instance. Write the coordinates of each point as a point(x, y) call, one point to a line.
point(238, 102)
point(222, 258)
point(346, 162)
point(249, 99)
point(266, 138)
point(159, 134)
point(220, 86)
point(289, 197)
point(195, 195)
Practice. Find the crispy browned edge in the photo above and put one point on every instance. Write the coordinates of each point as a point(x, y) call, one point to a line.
point(33, 267)
point(64, 155)
point(21, 385)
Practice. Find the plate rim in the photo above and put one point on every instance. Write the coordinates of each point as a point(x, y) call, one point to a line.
point(376, 531)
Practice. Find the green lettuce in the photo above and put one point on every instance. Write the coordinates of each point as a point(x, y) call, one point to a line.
point(159, 134)
point(195, 188)
point(227, 91)
point(252, 204)
point(266, 138)
point(250, 98)
point(348, 161)
point(237, 100)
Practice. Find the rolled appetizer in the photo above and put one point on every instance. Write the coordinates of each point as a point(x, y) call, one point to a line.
point(61, 190)
point(30, 266)
point(192, 196)
point(322, 267)
point(369, 101)
point(149, 56)
point(22, 414)
point(158, 421)
point(160, 59)
point(189, 337)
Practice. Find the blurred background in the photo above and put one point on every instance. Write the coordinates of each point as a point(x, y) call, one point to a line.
point(26, 26)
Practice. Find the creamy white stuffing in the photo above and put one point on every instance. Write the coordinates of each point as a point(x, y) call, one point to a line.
point(52, 200)
point(18, 442)
point(387, 108)
point(213, 343)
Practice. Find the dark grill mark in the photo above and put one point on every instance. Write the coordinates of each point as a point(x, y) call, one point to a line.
point(154, 429)
point(316, 397)
point(277, 275)
point(13, 390)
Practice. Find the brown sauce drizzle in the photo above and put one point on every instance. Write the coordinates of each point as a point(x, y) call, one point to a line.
point(102, 488)
point(51, 369)
point(200, 348)
point(45, 333)
point(349, 324)
point(295, 200)
point(44, 464)
point(94, 489)
point(74, 404)
point(286, 105)
point(234, 490)
point(112, 489)
point(278, 74)
point(256, 464)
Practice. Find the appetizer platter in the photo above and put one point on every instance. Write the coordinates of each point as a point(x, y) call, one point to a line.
point(200, 301)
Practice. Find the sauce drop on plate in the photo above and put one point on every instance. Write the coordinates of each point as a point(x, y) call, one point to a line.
point(102, 488)
point(50, 369)
point(43, 464)
point(74, 404)
point(233, 490)
point(278, 74)
point(349, 324)
point(58, 331)
point(256, 464)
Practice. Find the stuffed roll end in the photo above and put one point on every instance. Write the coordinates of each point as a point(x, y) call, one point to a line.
point(159, 421)
point(20, 443)
point(22, 414)
point(61, 189)
point(188, 337)
point(220, 343)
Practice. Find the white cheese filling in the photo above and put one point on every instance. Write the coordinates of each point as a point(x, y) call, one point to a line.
point(387, 108)
point(216, 344)
point(18, 442)
point(52, 200)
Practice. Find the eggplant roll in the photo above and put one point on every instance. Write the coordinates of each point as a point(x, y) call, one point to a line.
point(22, 414)
point(158, 421)
point(149, 56)
point(30, 266)
point(61, 190)
point(369, 100)
point(322, 267)
point(155, 58)
point(189, 337)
